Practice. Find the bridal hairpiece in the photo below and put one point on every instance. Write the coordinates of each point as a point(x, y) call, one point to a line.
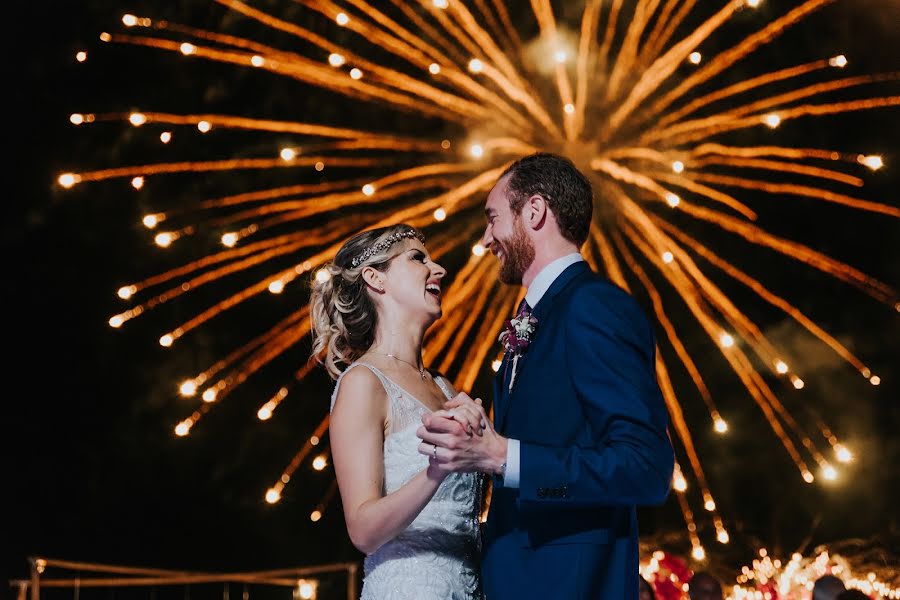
point(385, 244)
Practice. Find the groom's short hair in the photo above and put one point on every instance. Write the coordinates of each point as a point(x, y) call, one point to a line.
point(566, 190)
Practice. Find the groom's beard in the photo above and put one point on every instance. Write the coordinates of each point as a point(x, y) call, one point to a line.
point(518, 255)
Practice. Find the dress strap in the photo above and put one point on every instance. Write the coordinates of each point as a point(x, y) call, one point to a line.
point(387, 383)
point(444, 387)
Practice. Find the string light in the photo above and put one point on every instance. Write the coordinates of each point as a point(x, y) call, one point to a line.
point(434, 68)
point(355, 73)
point(165, 137)
point(476, 66)
point(839, 61)
point(368, 189)
point(476, 150)
point(672, 199)
point(335, 59)
point(772, 120)
point(695, 58)
point(440, 214)
point(873, 161)
point(478, 250)
point(678, 166)
point(81, 56)
point(342, 19)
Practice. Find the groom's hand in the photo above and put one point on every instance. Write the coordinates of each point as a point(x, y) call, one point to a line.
point(451, 448)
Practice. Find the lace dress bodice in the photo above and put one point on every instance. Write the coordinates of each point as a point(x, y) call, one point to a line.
point(437, 556)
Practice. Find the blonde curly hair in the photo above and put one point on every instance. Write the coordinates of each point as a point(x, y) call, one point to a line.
point(343, 314)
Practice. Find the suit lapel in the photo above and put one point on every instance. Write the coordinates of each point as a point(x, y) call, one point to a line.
point(502, 395)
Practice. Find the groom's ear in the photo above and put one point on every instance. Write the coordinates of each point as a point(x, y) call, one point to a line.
point(535, 211)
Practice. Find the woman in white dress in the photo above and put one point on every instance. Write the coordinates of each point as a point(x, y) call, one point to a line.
point(418, 527)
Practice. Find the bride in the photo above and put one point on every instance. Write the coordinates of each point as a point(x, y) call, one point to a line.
point(418, 526)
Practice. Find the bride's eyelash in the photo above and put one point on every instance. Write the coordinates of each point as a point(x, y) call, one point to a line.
point(418, 256)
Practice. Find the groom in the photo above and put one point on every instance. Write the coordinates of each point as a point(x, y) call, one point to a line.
point(579, 436)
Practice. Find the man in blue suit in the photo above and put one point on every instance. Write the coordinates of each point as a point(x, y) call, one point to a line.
point(579, 436)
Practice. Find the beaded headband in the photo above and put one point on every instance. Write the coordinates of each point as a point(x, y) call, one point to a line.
point(385, 244)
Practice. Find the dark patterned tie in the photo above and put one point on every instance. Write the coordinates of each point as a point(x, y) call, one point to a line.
point(524, 309)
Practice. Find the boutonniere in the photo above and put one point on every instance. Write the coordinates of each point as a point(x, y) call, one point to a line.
point(516, 337)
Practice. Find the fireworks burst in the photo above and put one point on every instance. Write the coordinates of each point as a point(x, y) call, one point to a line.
point(625, 90)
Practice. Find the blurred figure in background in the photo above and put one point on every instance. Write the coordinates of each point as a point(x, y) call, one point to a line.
point(703, 586)
point(827, 587)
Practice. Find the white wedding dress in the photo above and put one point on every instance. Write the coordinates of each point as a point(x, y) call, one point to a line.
point(437, 556)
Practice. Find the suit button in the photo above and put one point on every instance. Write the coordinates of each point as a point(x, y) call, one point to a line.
point(565, 492)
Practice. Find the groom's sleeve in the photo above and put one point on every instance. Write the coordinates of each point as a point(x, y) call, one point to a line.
point(610, 354)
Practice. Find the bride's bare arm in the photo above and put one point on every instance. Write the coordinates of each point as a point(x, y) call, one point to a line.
point(357, 440)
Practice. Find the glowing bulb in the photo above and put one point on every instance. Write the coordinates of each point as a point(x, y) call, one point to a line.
point(726, 340)
point(288, 154)
point(753, 3)
point(320, 166)
point(873, 161)
point(829, 472)
point(276, 287)
point(264, 413)
point(434, 68)
point(272, 495)
point(723, 537)
point(495, 366)
point(368, 189)
point(209, 395)
point(875, 380)
point(695, 58)
point(798, 383)
point(166, 340)
point(569, 108)
point(445, 144)
point(322, 275)
point(843, 454)
point(164, 240)
point(476, 150)
point(478, 250)
point(105, 37)
point(342, 19)
point(165, 137)
point(678, 166)
point(808, 477)
point(440, 214)
point(476, 66)
point(315, 515)
point(668, 257)
point(76, 119)
point(355, 73)
point(721, 426)
point(137, 119)
point(204, 126)
point(187, 388)
point(560, 56)
point(183, 428)
point(126, 292)
point(709, 505)
point(151, 221)
point(772, 120)
point(229, 239)
point(679, 482)
point(672, 199)
point(116, 321)
point(441, 3)
point(839, 61)
point(67, 180)
point(188, 49)
point(314, 440)
point(137, 183)
point(335, 59)
point(257, 61)
point(129, 20)
point(698, 553)
point(781, 367)
point(306, 591)
point(81, 56)
point(319, 463)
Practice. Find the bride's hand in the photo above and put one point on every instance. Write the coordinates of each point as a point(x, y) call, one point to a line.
point(466, 412)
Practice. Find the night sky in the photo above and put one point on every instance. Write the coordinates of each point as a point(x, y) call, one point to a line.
point(94, 471)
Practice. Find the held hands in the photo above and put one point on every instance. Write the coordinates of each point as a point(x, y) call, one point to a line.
point(461, 438)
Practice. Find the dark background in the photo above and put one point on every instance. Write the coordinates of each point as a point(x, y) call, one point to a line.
point(94, 471)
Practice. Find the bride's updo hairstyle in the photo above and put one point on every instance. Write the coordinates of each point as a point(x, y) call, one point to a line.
point(342, 312)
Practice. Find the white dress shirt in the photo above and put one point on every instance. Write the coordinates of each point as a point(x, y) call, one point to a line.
point(536, 291)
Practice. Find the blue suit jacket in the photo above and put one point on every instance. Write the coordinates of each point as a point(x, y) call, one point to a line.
point(591, 422)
